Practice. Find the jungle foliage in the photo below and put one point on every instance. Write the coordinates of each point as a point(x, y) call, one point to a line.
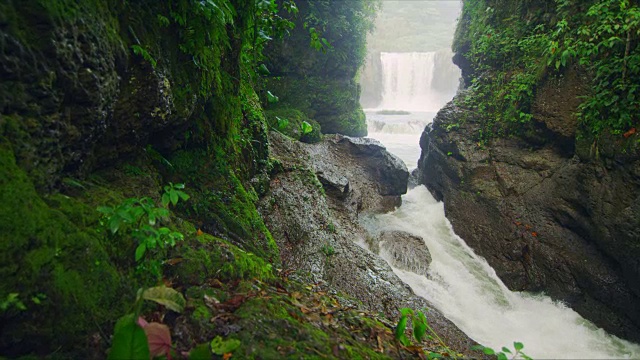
point(314, 70)
point(511, 46)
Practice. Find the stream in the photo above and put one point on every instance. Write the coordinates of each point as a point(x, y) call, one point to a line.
point(461, 284)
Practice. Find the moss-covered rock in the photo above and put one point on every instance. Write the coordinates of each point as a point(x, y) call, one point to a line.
point(58, 264)
point(314, 69)
point(289, 121)
point(209, 257)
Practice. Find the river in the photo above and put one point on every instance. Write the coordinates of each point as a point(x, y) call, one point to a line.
point(461, 284)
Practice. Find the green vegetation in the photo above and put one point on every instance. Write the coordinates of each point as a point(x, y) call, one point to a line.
point(319, 78)
point(502, 355)
point(604, 41)
point(295, 124)
point(109, 100)
point(137, 219)
point(421, 331)
point(134, 338)
point(512, 46)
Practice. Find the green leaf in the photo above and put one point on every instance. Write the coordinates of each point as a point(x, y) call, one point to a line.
point(402, 325)
point(152, 218)
point(174, 197)
point(166, 296)
point(178, 186)
point(406, 312)
point(183, 195)
point(262, 70)
point(502, 356)
point(129, 340)
point(506, 349)
point(272, 98)
point(165, 199)
point(488, 351)
point(200, 352)
point(140, 250)
point(114, 224)
point(220, 346)
point(404, 340)
point(518, 345)
point(434, 355)
point(306, 128)
point(419, 326)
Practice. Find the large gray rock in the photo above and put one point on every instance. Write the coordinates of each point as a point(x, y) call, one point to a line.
point(314, 220)
point(545, 213)
point(403, 250)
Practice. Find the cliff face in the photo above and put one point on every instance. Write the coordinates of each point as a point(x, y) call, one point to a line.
point(314, 69)
point(551, 207)
point(107, 108)
point(101, 101)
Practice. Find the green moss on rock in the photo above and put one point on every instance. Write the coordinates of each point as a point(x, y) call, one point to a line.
point(208, 257)
point(333, 103)
point(48, 251)
point(289, 122)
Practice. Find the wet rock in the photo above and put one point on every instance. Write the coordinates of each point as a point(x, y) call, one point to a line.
point(315, 223)
point(404, 250)
point(546, 217)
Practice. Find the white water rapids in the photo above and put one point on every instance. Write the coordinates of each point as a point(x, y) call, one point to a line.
point(461, 284)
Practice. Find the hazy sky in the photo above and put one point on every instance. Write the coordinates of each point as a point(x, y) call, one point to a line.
point(415, 25)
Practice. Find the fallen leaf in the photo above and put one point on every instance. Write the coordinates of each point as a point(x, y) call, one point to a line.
point(199, 232)
point(236, 300)
point(173, 261)
point(158, 337)
point(629, 133)
point(534, 234)
point(227, 356)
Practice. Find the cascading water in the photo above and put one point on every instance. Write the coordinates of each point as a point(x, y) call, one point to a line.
point(467, 291)
point(464, 287)
point(418, 81)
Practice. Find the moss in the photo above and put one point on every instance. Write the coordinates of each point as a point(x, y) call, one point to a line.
point(290, 124)
point(221, 204)
point(333, 103)
point(208, 257)
point(47, 250)
point(284, 327)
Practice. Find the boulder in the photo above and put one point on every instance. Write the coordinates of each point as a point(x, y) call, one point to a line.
point(403, 251)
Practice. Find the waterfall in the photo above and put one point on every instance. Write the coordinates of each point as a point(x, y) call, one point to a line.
point(468, 292)
point(418, 81)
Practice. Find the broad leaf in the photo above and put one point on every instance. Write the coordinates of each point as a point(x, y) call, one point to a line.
point(165, 296)
point(488, 351)
point(158, 338)
point(129, 340)
point(518, 345)
point(402, 325)
point(140, 250)
point(306, 128)
point(419, 326)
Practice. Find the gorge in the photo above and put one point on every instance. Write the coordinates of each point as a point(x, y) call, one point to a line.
point(191, 179)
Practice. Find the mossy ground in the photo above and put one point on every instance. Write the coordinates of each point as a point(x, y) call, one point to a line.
point(283, 318)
